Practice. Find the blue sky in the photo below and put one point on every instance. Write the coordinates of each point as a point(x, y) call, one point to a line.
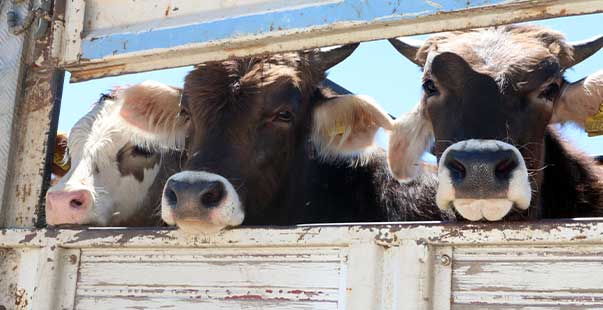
point(375, 69)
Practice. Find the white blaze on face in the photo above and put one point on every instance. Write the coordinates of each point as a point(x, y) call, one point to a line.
point(94, 143)
point(518, 193)
point(194, 218)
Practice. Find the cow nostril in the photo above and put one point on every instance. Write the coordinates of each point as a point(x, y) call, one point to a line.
point(504, 168)
point(213, 195)
point(171, 197)
point(456, 168)
point(76, 203)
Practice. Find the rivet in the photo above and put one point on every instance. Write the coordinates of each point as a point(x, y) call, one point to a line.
point(445, 260)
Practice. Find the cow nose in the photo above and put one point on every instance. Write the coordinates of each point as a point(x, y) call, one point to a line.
point(204, 194)
point(481, 173)
point(67, 207)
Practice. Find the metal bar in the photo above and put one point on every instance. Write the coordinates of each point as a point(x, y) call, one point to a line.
point(106, 38)
point(388, 235)
point(34, 126)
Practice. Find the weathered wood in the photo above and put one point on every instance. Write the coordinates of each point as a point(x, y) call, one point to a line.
point(33, 130)
point(115, 37)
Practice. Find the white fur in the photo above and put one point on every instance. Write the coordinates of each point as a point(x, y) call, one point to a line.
point(477, 209)
point(94, 141)
point(519, 193)
point(411, 137)
point(229, 213)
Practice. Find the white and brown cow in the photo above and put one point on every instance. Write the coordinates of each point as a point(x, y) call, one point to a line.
point(489, 97)
point(114, 178)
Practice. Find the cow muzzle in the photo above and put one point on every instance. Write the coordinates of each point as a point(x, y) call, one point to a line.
point(200, 202)
point(483, 179)
point(68, 207)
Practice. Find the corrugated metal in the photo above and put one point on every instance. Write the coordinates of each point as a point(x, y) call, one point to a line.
point(11, 47)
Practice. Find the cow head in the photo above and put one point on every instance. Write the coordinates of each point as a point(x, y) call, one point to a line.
point(248, 121)
point(111, 171)
point(489, 95)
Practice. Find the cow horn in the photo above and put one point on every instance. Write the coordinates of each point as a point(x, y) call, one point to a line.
point(585, 49)
point(408, 49)
point(334, 56)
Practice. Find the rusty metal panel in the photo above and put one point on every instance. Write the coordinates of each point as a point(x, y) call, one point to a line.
point(212, 278)
point(110, 37)
point(548, 265)
point(538, 277)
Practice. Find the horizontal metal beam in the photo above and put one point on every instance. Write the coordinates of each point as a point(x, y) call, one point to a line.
point(385, 234)
point(110, 37)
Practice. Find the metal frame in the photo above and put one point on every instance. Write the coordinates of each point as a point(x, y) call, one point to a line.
point(385, 266)
point(103, 38)
point(378, 266)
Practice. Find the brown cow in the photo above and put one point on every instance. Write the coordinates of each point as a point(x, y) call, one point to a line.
point(267, 145)
point(489, 96)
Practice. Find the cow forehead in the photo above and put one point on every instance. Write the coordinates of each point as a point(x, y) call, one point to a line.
point(505, 53)
point(222, 86)
point(97, 134)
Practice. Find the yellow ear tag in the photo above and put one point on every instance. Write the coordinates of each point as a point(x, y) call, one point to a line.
point(339, 129)
point(594, 124)
point(58, 159)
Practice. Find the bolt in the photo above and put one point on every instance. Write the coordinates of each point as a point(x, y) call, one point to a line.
point(445, 260)
point(72, 259)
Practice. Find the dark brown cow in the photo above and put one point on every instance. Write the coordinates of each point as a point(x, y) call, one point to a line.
point(489, 97)
point(267, 145)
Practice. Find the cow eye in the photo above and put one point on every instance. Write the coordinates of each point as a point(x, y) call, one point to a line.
point(550, 92)
point(430, 88)
point(285, 116)
point(184, 114)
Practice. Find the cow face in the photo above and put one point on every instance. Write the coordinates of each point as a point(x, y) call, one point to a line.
point(249, 121)
point(111, 171)
point(489, 96)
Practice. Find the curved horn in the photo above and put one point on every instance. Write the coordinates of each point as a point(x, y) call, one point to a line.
point(584, 49)
point(408, 49)
point(334, 56)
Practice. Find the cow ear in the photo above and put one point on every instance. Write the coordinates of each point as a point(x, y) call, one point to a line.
point(580, 100)
point(150, 111)
point(345, 126)
point(411, 136)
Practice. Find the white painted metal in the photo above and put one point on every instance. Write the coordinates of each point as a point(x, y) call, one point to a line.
point(109, 37)
point(552, 265)
point(11, 66)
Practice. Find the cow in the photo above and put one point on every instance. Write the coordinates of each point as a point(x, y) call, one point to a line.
point(266, 144)
point(115, 178)
point(489, 98)
point(60, 162)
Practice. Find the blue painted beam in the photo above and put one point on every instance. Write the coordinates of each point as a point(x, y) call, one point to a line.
point(315, 17)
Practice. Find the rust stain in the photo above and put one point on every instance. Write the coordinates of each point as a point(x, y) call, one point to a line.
point(96, 72)
point(167, 10)
point(28, 238)
point(51, 233)
point(21, 301)
point(244, 297)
